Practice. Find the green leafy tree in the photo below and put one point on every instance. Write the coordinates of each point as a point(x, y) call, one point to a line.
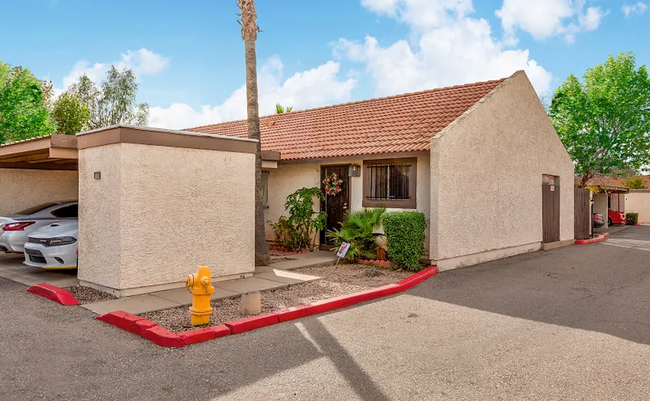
point(115, 103)
point(281, 110)
point(636, 183)
point(604, 122)
point(23, 108)
point(70, 114)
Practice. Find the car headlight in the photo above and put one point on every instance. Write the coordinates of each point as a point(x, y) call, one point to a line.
point(56, 241)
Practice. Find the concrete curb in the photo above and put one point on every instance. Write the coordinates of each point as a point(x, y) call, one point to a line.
point(165, 338)
point(599, 238)
point(53, 293)
point(123, 320)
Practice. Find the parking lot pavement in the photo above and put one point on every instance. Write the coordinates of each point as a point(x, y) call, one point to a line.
point(568, 323)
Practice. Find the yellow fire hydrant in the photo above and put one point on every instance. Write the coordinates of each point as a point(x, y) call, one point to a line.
point(199, 284)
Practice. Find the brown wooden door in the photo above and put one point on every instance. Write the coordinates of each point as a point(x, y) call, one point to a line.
point(550, 213)
point(335, 205)
point(582, 211)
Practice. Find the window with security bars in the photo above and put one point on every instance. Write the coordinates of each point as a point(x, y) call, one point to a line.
point(390, 183)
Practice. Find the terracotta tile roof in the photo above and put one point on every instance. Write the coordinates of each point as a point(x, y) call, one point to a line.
point(402, 123)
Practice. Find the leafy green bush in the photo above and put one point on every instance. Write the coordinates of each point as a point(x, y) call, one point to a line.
point(295, 232)
point(359, 230)
point(405, 232)
point(631, 219)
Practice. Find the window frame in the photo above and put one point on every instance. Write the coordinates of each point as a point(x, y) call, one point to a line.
point(410, 203)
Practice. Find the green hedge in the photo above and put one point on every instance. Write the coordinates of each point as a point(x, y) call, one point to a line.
point(631, 219)
point(405, 235)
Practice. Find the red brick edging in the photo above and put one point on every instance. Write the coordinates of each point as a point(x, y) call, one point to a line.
point(165, 338)
point(53, 293)
point(599, 238)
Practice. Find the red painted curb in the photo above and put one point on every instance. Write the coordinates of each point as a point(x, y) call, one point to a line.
point(418, 277)
point(164, 337)
point(140, 326)
point(197, 336)
point(221, 330)
point(121, 319)
point(53, 293)
point(295, 312)
point(253, 322)
point(600, 238)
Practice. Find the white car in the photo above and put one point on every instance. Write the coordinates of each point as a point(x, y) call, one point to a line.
point(54, 246)
point(15, 229)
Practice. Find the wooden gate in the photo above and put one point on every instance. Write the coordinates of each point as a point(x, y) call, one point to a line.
point(582, 211)
point(550, 211)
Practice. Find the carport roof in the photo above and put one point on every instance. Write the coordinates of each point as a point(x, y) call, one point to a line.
point(50, 152)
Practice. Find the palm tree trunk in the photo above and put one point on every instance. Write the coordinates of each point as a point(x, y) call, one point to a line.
point(249, 35)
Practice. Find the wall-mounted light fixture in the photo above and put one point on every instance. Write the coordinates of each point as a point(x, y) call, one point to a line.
point(354, 170)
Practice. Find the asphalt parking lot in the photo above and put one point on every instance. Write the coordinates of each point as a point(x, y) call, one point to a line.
point(569, 323)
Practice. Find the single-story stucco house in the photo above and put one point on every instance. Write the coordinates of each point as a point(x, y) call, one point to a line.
point(481, 161)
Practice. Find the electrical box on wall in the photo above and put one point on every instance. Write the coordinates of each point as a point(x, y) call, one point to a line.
point(354, 170)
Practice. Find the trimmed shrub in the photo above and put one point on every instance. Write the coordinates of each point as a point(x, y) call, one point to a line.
point(631, 219)
point(405, 232)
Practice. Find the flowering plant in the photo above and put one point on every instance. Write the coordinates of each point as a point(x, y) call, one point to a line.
point(333, 184)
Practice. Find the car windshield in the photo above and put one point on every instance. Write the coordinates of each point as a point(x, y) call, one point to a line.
point(35, 209)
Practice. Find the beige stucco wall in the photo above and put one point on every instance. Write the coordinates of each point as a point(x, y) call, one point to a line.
point(486, 177)
point(638, 201)
point(158, 212)
point(288, 178)
point(20, 189)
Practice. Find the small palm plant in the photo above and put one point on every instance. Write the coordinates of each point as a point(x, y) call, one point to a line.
point(359, 229)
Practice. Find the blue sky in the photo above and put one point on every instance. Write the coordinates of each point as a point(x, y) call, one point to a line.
point(189, 57)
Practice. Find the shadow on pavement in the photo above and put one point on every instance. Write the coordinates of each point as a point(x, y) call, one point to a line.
point(595, 287)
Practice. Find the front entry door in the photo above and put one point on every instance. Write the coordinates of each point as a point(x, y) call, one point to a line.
point(550, 209)
point(335, 205)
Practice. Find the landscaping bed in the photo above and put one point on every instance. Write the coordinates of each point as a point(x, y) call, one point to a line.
point(87, 295)
point(336, 281)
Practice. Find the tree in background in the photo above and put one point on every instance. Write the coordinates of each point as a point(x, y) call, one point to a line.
point(115, 103)
point(249, 29)
point(70, 113)
point(636, 183)
point(23, 108)
point(604, 122)
point(281, 110)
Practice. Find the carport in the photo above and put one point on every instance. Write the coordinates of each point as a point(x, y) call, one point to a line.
point(610, 197)
point(36, 171)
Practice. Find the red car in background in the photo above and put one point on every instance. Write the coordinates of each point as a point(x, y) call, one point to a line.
point(614, 217)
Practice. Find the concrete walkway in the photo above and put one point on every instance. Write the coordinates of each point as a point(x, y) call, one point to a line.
point(265, 278)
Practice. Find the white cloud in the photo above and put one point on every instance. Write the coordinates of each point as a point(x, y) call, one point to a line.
point(448, 48)
point(548, 18)
point(142, 62)
point(313, 88)
point(421, 14)
point(634, 9)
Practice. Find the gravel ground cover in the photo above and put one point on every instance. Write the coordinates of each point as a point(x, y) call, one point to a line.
point(87, 295)
point(336, 281)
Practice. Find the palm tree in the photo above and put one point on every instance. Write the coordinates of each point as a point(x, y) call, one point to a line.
point(280, 110)
point(249, 29)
